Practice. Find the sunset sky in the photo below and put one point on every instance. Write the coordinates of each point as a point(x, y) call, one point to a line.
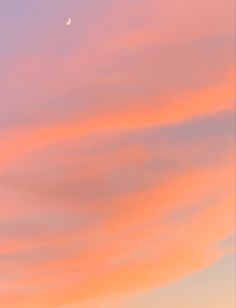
point(117, 154)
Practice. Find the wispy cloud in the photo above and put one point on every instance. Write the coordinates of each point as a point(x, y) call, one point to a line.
point(116, 147)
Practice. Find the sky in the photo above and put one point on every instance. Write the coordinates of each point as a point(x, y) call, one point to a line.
point(117, 154)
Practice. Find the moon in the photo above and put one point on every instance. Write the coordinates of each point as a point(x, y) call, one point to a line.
point(68, 23)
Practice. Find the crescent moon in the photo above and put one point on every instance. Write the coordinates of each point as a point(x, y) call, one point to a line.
point(69, 22)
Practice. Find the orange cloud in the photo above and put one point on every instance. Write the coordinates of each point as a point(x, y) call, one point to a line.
point(135, 116)
point(116, 152)
point(136, 248)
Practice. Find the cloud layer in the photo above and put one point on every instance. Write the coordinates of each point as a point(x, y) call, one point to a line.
point(117, 149)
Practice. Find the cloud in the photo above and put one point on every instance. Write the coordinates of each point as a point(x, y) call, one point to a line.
point(116, 148)
point(119, 240)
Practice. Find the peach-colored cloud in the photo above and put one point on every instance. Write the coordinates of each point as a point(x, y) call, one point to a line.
point(135, 116)
point(126, 260)
point(117, 151)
